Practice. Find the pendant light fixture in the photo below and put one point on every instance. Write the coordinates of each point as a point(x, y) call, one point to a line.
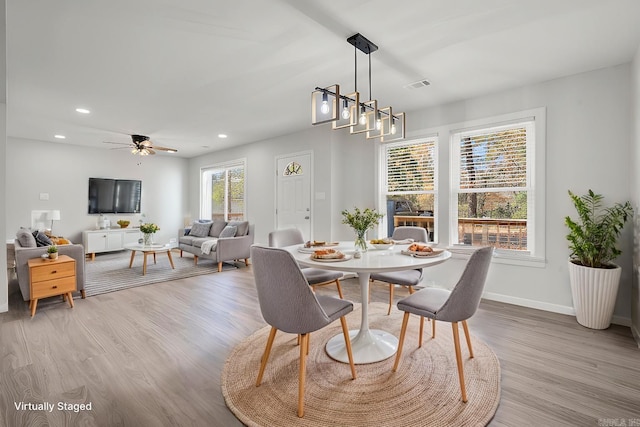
point(348, 111)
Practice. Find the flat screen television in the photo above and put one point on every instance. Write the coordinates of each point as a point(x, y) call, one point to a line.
point(119, 196)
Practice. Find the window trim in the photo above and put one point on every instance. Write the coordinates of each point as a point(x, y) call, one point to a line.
point(205, 185)
point(536, 157)
point(382, 179)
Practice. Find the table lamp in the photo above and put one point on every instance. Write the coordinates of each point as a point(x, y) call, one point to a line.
point(53, 216)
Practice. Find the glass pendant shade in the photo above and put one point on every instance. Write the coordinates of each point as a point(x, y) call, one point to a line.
point(370, 111)
point(351, 102)
point(324, 105)
point(396, 128)
point(382, 126)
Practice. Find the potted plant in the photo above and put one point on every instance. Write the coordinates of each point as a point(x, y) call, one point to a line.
point(361, 221)
point(593, 275)
point(53, 252)
point(147, 231)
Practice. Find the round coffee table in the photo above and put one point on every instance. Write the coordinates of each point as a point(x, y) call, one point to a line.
point(148, 250)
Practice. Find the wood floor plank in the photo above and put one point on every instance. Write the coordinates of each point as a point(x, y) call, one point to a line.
point(153, 355)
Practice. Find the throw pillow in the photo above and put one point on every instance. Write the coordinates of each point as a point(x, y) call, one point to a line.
point(200, 229)
point(228, 231)
point(41, 239)
point(217, 227)
point(243, 227)
point(25, 238)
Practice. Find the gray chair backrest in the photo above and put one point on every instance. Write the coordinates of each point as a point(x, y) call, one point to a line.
point(286, 237)
point(465, 296)
point(418, 234)
point(286, 299)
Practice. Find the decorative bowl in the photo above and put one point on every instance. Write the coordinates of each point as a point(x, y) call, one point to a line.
point(123, 223)
point(382, 246)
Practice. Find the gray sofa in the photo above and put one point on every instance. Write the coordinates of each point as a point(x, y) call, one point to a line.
point(234, 248)
point(26, 248)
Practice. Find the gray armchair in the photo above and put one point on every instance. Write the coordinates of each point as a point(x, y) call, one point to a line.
point(24, 254)
point(288, 304)
point(315, 276)
point(453, 306)
point(409, 278)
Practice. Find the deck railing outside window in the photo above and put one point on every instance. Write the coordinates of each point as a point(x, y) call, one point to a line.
point(499, 233)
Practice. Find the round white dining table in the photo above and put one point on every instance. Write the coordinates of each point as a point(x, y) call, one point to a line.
point(368, 345)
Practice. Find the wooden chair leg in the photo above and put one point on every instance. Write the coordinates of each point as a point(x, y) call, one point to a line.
point(303, 370)
point(433, 328)
point(411, 291)
point(468, 337)
point(391, 287)
point(83, 294)
point(403, 331)
point(347, 341)
point(265, 355)
point(195, 260)
point(219, 267)
point(456, 343)
point(339, 288)
point(180, 253)
point(421, 330)
point(308, 342)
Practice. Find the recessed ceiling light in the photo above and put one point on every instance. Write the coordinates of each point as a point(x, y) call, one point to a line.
point(59, 136)
point(82, 110)
point(222, 135)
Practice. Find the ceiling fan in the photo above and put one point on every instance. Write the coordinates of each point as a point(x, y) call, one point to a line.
point(141, 145)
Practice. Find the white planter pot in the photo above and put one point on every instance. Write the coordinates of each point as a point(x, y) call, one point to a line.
point(594, 292)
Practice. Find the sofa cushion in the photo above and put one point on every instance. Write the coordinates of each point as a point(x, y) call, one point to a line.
point(229, 231)
point(26, 239)
point(242, 226)
point(217, 227)
point(200, 229)
point(187, 240)
point(198, 241)
point(41, 239)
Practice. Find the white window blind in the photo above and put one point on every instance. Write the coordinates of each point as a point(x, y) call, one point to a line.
point(494, 158)
point(410, 167)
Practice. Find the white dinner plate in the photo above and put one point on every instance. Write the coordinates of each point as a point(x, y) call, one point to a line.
point(346, 258)
point(418, 254)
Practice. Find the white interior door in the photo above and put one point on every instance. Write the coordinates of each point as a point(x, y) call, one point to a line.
point(293, 193)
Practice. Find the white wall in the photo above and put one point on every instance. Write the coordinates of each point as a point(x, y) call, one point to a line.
point(588, 145)
point(635, 194)
point(63, 171)
point(4, 305)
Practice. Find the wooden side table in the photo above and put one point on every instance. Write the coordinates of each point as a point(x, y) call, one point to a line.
point(48, 278)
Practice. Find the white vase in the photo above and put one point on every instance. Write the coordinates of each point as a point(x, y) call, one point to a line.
point(594, 292)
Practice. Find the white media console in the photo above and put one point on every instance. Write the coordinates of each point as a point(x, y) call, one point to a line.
point(108, 240)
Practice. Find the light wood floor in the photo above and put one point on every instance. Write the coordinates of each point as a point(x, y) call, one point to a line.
point(152, 356)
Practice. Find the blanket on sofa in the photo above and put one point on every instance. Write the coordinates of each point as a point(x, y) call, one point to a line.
point(208, 246)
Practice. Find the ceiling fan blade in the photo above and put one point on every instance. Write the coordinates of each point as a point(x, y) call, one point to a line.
point(173, 150)
point(150, 151)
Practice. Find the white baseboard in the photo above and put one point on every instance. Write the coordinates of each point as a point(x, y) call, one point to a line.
point(554, 308)
point(4, 307)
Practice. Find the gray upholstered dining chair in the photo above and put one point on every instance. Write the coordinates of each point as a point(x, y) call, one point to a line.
point(315, 276)
point(288, 304)
point(453, 306)
point(409, 278)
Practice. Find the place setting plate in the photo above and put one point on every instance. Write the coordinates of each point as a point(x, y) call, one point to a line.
point(344, 258)
point(315, 247)
point(421, 254)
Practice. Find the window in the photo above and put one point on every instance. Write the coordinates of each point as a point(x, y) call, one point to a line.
point(408, 184)
point(493, 195)
point(223, 192)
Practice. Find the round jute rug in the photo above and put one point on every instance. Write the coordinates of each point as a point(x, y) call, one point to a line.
point(424, 392)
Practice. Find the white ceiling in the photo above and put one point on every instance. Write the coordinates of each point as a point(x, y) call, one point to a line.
point(183, 71)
